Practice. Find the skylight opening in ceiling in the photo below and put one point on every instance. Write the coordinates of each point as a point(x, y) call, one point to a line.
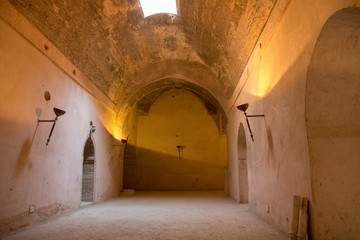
point(151, 7)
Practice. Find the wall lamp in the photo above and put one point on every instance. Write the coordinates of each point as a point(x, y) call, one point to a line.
point(92, 127)
point(243, 108)
point(58, 112)
point(181, 150)
point(123, 141)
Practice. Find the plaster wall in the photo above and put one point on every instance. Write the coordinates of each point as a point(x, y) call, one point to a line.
point(274, 84)
point(47, 177)
point(333, 124)
point(177, 118)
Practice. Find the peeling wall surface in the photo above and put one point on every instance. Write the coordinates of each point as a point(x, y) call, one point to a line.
point(33, 174)
point(296, 62)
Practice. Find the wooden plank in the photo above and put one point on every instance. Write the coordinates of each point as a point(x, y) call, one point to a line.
point(303, 220)
point(295, 218)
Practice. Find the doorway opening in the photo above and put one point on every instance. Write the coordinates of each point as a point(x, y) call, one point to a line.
point(87, 191)
point(242, 166)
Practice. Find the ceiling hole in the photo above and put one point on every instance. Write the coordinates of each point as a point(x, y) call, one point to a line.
point(151, 7)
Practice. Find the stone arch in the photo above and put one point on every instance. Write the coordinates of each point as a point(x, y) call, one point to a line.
point(192, 72)
point(153, 88)
point(88, 171)
point(333, 127)
point(242, 165)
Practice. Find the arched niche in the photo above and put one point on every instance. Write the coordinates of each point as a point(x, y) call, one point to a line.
point(333, 126)
point(148, 94)
point(88, 174)
point(242, 165)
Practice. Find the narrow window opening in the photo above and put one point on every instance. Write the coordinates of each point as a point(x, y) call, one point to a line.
point(151, 7)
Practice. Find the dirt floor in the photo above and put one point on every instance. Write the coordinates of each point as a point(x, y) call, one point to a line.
point(157, 215)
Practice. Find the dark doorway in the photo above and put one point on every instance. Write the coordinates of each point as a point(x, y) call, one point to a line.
point(87, 194)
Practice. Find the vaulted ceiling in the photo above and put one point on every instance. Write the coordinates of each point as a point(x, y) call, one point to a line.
point(112, 43)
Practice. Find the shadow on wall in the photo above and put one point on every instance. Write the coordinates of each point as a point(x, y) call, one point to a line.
point(23, 157)
point(284, 108)
point(278, 158)
point(333, 144)
point(242, 165)
point(270, 141)
point(116, 164)
point(156, 171)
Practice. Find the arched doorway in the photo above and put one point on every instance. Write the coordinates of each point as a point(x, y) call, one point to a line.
point(242, 166)
point(333, 126)
point(87, 192)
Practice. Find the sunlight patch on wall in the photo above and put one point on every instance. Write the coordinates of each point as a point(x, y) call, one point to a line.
point(263, 84)
point(116, 132)
point(151, 7)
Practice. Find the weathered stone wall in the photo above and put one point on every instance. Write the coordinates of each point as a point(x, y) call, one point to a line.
point(111, 41)
point(285, 159)
point(47, 177)
point(274, 84)
point(333, 124)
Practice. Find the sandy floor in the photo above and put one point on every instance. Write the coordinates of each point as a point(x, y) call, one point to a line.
point(157, 215)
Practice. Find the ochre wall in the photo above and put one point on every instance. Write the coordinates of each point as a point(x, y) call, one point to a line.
point(274, 84)
point(278, 162)
point(333, 124)
point(177, 117)
point(48, 177)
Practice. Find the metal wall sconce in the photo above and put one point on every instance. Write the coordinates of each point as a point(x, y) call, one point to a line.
point(116, 142)
point(58, 112)
point(243, 108)
point(181, 151)
point(92, 127)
